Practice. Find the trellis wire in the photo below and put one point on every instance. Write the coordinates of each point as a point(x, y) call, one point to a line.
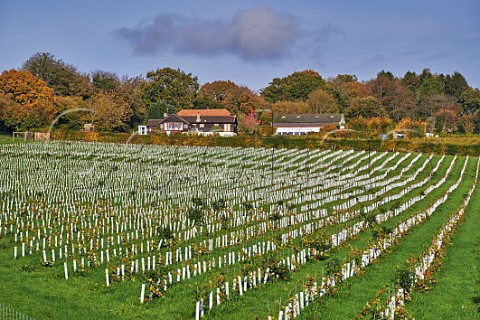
point(7, 313)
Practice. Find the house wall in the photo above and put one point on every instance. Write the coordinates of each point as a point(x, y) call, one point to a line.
point(296, 130)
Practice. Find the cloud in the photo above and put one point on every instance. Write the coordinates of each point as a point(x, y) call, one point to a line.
point(255, 34)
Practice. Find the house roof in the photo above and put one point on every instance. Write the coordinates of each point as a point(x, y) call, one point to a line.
point(192, 119)
point(153, 122)
point(174, 118)
point(204, 113)
point(211, 119)
point(305, 118)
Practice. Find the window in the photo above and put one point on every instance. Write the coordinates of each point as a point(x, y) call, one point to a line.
point(174, 126)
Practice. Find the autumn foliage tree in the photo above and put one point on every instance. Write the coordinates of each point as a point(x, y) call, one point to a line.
point(411, 127)
point(28, 102)
point(366, 107)
point(237, 99)
point(320, 101)
point(249, 123)
point(285, 107)
point(446, 120)
point(372, 127)
point(110, 111)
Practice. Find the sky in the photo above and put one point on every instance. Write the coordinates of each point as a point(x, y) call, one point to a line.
point(247, 42)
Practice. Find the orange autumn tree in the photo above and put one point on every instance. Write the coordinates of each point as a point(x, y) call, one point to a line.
point(372, 127)
point(412, 128)
point(237, 99)
point(28, 103)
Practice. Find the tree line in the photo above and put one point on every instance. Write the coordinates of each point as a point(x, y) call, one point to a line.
point(44, 87)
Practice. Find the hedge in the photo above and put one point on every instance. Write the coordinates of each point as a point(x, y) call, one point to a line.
point(300, 142)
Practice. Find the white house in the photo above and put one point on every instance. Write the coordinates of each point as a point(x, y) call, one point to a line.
point(300, 124)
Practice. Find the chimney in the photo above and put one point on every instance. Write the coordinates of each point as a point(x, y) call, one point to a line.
point(165, 115)
point(198, 117)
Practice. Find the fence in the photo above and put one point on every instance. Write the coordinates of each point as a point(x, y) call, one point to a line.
point(37, 136)
point(7, 313)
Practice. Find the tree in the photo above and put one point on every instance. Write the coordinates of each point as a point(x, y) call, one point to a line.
point(470, 101)
point(321, 102)
point(130, 90)
point(294, 87)
point(430, 84)
point(414, 128)
point(63, 78)
point(235, 98)
point(33, 102)
point(366, 107)
point(285, 107)
point(430, 104)
point(110, 111)
point(402, 104)
point(72, 120)
point(455, 84)
point(393, 96)
point(374, 126)
point(411, 81)
point(466, 124)
point(383, 87)
point(249, 123)
point(347, 87)
point(105, 81)
point(446, 120)
point(170, 87)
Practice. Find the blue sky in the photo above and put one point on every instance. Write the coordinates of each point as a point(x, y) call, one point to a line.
point(248, 42)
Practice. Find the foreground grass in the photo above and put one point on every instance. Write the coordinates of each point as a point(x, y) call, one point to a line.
point(353, 294)
point(43, 293)
point(456, 294)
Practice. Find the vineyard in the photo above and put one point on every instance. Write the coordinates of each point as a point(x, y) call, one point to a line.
point(102, 231)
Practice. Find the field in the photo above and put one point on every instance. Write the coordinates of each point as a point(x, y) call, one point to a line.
point(103, 231)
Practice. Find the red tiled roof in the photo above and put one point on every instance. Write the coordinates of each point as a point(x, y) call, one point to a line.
point(211, 119)
point(204, 113)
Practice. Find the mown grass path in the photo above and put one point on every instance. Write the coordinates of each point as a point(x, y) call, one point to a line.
point(456, 294)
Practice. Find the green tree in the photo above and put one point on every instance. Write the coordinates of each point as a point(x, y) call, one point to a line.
point(411, 81)
point(430, 84)
point(470, 101)
point(171, 87)
point(28, 102)
point(72, 120)
point(105, 81)
point(294, 87)
point(63, 78)
point(455, 85)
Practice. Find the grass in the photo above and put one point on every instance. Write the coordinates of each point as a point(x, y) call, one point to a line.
point(43, 293)
point(456, 294)
point(259, 303)
point(353, 294)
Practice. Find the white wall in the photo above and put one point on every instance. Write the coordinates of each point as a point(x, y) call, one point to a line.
point(296, 130)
